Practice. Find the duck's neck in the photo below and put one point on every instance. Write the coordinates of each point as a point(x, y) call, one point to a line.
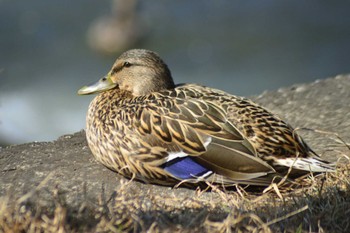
point(111, 97)
point(115, 94)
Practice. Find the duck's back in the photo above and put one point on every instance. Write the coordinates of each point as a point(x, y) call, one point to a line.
point(274, 140)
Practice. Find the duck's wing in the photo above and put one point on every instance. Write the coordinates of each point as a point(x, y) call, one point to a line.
point(275, 140)
point(199, 138)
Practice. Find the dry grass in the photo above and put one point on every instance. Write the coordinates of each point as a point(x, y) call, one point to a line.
point(323, 205)
point(319, 204)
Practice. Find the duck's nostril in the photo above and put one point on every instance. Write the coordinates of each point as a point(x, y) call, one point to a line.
point(104, 79)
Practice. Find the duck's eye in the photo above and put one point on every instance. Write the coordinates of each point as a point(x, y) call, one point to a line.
point(104, 79)
point(126, 64)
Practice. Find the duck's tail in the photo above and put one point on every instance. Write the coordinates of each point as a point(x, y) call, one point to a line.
point(310, 164)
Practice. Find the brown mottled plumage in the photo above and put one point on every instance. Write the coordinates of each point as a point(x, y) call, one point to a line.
point(143, 126)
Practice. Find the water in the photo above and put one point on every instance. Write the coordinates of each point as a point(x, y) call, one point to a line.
point(243, 47)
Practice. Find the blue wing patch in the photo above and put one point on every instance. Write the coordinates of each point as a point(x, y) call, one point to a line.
point(185, 168)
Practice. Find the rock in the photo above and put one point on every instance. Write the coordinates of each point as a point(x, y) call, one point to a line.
point(67, 166)
point(322, 106)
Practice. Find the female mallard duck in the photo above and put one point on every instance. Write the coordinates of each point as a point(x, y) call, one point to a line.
point(143, 126)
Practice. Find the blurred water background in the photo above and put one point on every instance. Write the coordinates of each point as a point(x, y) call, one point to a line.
point(243, 47)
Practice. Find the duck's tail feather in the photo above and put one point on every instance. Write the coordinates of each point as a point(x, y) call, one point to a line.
point(311, 164)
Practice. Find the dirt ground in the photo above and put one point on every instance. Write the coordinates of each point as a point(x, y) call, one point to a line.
point(58, 186)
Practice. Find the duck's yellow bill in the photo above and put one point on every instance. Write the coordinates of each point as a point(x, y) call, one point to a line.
point(101, 85)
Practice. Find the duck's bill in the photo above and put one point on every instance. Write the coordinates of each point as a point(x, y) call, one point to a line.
point(101, 85)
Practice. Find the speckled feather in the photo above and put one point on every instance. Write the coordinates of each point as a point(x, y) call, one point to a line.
point(190, 132)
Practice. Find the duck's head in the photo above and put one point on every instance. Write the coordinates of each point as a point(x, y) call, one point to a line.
point(137, 71)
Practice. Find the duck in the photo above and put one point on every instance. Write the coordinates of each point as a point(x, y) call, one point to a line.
point(145, 127)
